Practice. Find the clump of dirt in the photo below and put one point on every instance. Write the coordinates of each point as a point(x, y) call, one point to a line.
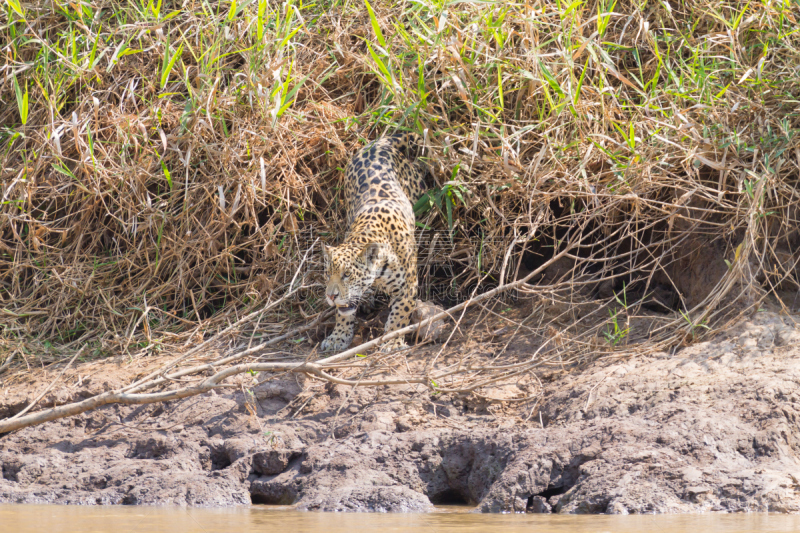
point(710, 427)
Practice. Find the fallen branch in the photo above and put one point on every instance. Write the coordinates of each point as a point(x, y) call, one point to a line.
point(228, 359)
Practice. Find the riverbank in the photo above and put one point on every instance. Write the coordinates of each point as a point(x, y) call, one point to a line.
point(712, 427)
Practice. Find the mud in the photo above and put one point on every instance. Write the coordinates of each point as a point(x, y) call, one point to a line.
point(711, 427)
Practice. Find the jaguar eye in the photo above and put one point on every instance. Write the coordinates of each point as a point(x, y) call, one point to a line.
point(345, 275)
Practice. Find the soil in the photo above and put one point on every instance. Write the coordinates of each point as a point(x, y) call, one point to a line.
point(714, 426)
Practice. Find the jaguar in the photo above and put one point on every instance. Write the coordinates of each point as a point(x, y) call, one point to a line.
point(381, 183)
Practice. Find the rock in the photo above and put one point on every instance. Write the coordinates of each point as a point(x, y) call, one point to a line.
point(539, 505)
point(272, 462)
point(378, 421)
point(432, 332)
point(361, 498)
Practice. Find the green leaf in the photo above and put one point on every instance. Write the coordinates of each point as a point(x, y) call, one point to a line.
point(64, 170)
point(722, 92)
point(375, 26)
point(571, 8)
point(286, 39)
point(454, 173)
point(228, 54)
point(128, 52)
point(15, 5)
point(167, 175)
point(449, 205)
point(580, 82)
point(288, 99)
point(93, 53)
point(22, 101)
point(381, 64)
point(91, 141)
point(620, 131)
point(500, 85)
point(168, 69)
point(423, 205)
point(632, 137)
point(457, 194)
point(262, 7)
point(739, 18)
point(18, 92)
point(550, 79)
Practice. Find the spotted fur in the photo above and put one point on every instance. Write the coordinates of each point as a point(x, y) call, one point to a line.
point(379, 250)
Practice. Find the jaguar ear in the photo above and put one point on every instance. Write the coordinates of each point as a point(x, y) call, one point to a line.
point(372, 254)
point(326, 254)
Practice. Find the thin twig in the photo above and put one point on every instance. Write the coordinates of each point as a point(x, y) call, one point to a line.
point(47, 389)
point(7, 362)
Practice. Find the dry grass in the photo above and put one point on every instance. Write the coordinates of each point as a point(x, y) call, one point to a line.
point(166, 164)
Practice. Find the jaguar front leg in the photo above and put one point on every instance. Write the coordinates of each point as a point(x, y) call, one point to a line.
point(342, 334)
point(399, 317)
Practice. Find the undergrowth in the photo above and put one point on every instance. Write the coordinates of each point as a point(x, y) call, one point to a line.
point(166, 164)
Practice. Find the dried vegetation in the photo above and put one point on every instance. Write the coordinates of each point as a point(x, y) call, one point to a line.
point(166, 165)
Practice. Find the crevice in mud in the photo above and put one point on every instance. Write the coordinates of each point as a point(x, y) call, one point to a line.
point(538, 505)
point(450, 497)
point(542, 502)
point(551, 491)
point(260, 499)
point(220, 460)
point(274, 462)
point(10, 472)
point(269, 494)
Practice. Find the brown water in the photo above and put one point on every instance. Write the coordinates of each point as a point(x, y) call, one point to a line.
point(118, 519)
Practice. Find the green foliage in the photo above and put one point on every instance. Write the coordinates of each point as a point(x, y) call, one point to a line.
point(22, 101)
point(445, 199)
point(694, 326)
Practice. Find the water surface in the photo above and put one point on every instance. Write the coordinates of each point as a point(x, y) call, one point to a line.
point(123, 519)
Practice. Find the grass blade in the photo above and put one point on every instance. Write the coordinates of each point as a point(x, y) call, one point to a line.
point(168, 69)
point(375, 26)
point(16, 6)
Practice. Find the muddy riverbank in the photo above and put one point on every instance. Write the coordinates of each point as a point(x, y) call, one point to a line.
point(713, 427)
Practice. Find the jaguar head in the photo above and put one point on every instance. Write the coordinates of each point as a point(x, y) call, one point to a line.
point(351, 269)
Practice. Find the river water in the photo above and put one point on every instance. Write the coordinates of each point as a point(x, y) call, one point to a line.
point(121, 519)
